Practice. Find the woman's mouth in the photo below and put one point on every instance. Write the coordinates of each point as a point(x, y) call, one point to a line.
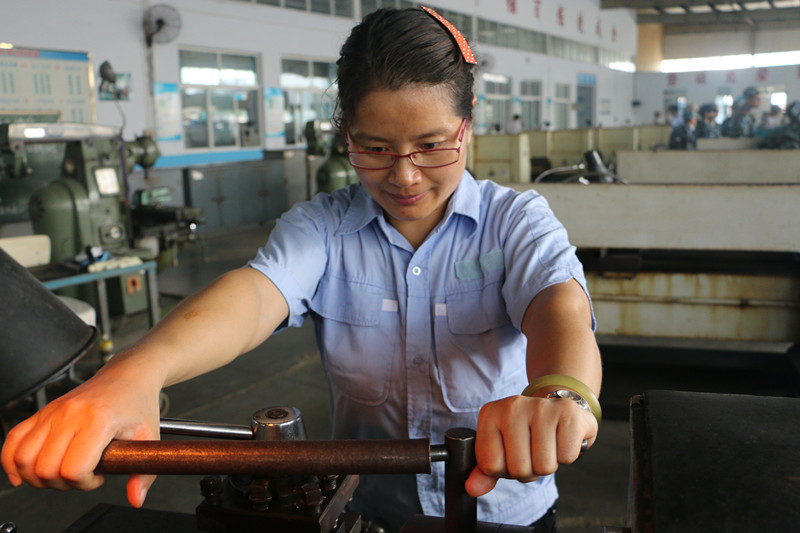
point(406, 199)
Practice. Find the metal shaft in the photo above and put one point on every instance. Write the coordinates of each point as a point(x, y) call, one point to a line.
point(460, 509)
point(175, 426)
point(267, 458)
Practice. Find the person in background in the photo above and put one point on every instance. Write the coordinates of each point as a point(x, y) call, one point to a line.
point(707, 127)
point(514, 125)
point(673, 118)
point(438, 301)
point(683, 137)
point(787, 136)
point(772, 119)
point(742, 122)
point(657, 118)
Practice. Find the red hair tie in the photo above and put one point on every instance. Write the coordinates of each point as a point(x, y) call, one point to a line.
point(460, 40)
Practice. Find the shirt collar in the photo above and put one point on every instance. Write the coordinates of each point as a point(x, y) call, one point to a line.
point(466, 199)
point(363, 209)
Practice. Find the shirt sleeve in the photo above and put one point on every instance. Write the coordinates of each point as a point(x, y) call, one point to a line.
point(537, 254)
point(294, 258)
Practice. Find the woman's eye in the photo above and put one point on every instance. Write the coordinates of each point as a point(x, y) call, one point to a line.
point(376, 149)
point(430, 146)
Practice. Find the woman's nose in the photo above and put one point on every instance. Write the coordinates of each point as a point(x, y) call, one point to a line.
point(405, 173)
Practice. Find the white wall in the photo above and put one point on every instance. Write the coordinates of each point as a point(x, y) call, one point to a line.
point(612, 85)
point(741, 41)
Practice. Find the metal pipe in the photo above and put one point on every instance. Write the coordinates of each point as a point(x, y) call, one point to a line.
point(460, 509)
point(267, 458)
point(194, 428)
point(741, 303)
point(439, 453)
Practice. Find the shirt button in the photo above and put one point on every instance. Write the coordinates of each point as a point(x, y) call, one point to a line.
point(417, 361)
point(416, 271)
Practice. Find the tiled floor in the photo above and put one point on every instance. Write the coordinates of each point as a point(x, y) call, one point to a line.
point(286, 371)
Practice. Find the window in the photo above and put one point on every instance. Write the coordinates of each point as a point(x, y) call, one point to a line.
point(530, 95)
point(219, 99)
point(490, 32)
point(561, 106)
point(309, 92)
point(368, 6)
point(460, 20)
point(724, 101)
point(498, 100)
point(340, 8)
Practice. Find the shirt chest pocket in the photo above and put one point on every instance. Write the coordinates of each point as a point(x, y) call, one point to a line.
point(358, 338)
point(479, 353)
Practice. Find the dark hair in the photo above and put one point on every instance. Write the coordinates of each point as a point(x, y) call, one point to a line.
point(392, 48)
point(708, 108)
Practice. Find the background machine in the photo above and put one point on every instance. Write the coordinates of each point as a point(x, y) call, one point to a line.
point(69, 181)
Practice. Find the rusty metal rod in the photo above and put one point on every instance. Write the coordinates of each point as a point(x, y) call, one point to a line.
point(267, 458)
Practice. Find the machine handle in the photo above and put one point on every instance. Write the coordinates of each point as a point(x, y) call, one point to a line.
point(267, 458)
point(195, 428)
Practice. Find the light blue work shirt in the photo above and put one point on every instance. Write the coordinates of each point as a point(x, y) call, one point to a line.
point(414, 342)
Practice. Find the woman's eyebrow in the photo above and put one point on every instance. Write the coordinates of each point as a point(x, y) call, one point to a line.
point(367, 137)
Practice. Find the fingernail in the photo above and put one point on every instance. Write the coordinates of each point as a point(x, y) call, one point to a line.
point(142, 495)
point(15, 480)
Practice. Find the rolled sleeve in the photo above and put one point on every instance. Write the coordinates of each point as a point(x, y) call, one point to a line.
point(294, 259)
point(538, 255)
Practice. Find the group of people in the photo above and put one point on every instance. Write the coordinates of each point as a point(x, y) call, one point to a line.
point(701, 123)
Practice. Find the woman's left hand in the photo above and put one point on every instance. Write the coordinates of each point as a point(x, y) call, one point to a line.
point(523, 438)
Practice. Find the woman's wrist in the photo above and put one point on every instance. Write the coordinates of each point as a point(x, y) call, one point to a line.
point(544, 385)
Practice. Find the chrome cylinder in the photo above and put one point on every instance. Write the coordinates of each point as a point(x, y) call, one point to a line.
point(278, 424)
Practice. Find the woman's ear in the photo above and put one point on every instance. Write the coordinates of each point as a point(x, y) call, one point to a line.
point(474, 100)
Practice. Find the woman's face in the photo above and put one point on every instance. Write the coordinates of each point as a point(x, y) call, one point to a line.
point(403, 121)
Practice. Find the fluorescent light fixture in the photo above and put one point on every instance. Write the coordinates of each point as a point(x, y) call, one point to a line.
point(776, 59)
point(624, 66)
point(496, 78)
point(695, 64)
point(34, 133)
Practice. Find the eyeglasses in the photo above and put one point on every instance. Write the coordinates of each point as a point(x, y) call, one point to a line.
point(434, 158)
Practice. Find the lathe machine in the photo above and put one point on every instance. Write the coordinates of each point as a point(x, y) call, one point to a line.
point(70, 181)
point(699, 462)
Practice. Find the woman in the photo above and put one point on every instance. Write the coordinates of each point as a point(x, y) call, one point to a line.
point(435, 298)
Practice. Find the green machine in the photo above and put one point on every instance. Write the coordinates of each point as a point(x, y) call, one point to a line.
point(336, 171)
point(83, 204)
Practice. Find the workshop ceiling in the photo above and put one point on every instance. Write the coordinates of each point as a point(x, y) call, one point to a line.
point(690, 15)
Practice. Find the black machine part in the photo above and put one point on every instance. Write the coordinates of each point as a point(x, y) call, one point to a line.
point(591, 170)
point(713, 462)
point(41, 336)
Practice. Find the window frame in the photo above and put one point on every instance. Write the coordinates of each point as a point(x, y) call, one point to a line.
point(296, 98)
point(252, 91)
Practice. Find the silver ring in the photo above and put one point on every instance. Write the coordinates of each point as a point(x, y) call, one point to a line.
point(584, 446)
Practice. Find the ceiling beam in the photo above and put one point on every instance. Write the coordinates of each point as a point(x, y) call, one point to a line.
point(718, 17)
point(655, 4)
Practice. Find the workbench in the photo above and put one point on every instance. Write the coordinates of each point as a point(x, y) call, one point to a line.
point(58, 277)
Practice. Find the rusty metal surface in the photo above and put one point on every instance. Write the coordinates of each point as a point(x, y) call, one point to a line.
point(716, 307)
point(265, 458)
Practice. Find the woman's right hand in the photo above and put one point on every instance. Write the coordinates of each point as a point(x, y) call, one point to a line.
point(60, 446)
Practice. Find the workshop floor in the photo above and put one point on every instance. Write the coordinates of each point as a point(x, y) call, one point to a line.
point(286, 371)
